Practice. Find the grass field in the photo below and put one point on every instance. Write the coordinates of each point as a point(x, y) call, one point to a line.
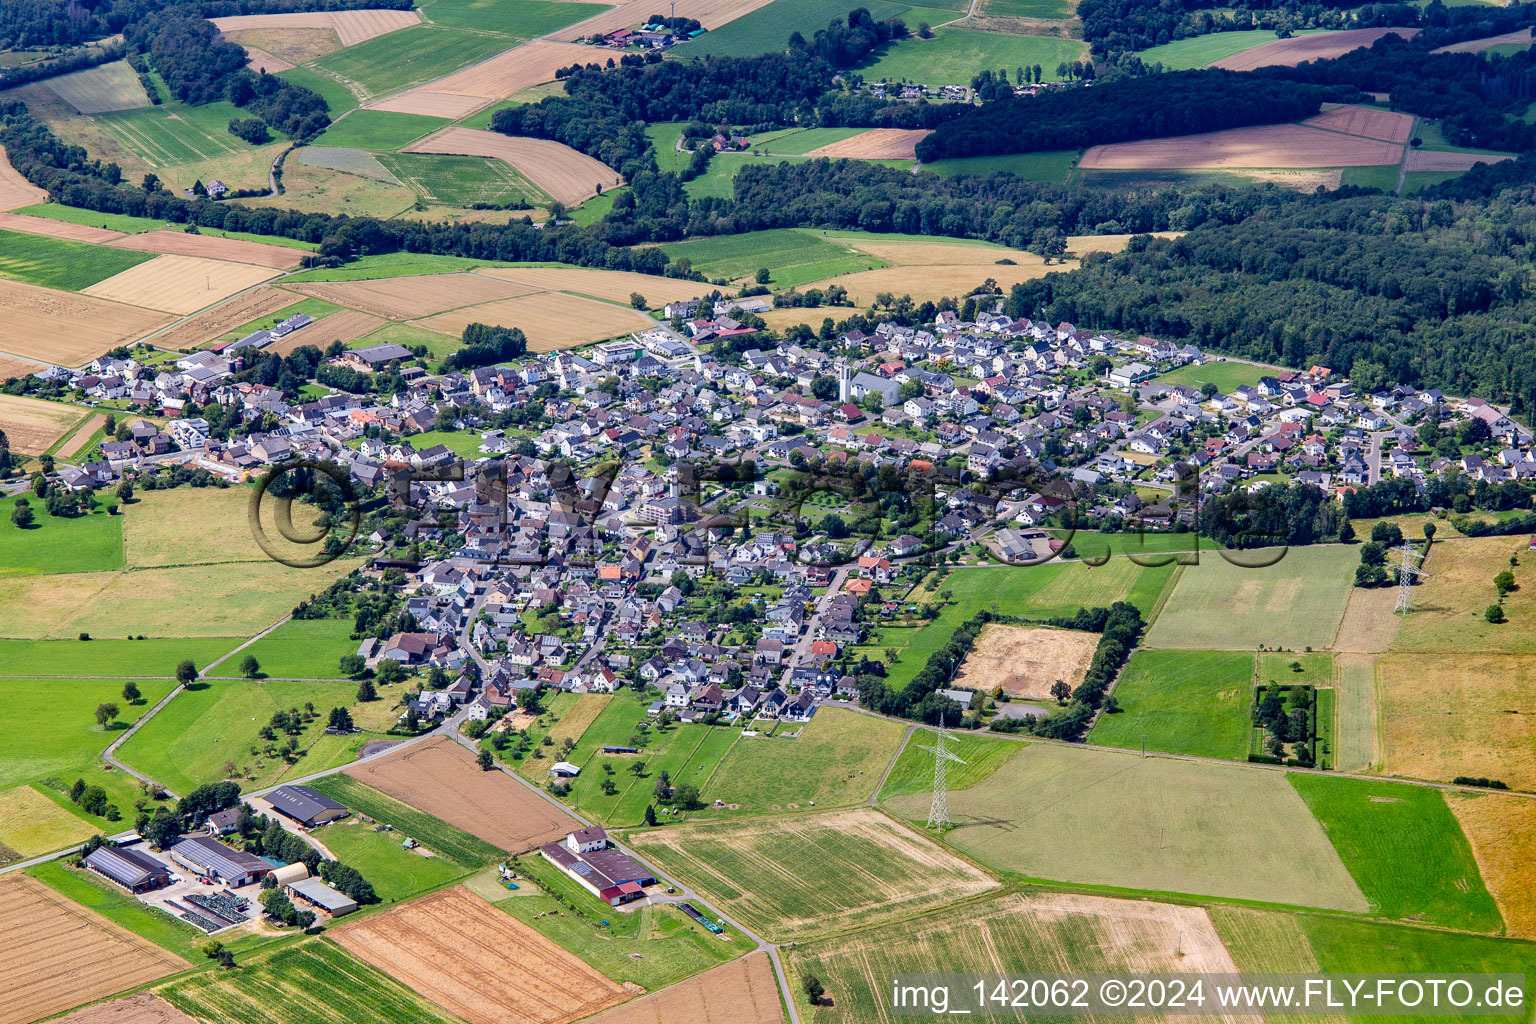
point(395, 872)
point(127, 657)
point(462, 180)
point(89, 543)
point(174, 135)
point(131, 225)
point(1448, 609)
point(1297, 602)
point(1051, 167)
point(301, 649)
point(337, 96)
point(1198, 51)
point(1179, 826)
point(190, 741)
point(913, 770)
point(790, 254)
point(378, 130)
point(520, 19)
point(411, 56)
point(794, 878)
point(1182, 702)
point(313, 982)
point(954, 56)
point(1382, 176)
point(31, 824)
point(61, 263)
point(1404, 849)
point(1045, 9)
point(767, 29)
point(437, 836)
point(1225, 375)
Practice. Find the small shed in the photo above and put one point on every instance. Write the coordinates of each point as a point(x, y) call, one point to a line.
point(564, 770)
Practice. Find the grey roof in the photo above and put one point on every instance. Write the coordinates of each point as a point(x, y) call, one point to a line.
point(319, 893)
point(130, 867)
point(301, 802)
point(212, 855)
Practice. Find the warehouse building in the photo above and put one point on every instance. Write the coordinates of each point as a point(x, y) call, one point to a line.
point(206, 856)
point(305, 805)
point(134, 870)
point(317, 894)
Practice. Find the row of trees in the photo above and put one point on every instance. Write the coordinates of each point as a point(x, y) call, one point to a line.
point(37, 23)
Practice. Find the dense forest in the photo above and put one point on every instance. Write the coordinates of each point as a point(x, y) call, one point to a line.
point(25, 23)
point(1178, 103)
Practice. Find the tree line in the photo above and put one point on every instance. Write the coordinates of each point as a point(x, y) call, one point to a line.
point(36, 23)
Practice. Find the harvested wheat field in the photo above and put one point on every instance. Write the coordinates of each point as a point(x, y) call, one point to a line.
point(16, 191)
point(1080, 244)
point(1025, 661)
point(56, 228)
point(241, 310)
point(1323, 46)
point(65, 328)
point(12, 368)
point(343, 327)
point(180, 284)
point(513, 71)
point(139, 1009)
point(613, 285)
point(264, 63)
point(72, 447)
point(877, 144)
point(504, 972)
point(940, 254)
point(710, 13)
point(289, 45)
point(564, 173)
point(743, 991)
point(352, 27)
point(1387, 125)
point(1277, 145)
point(234, 250)
point(787, 316)
point(933, 282)
point(442, 779)
point(57, 954)
point(1520, 38)
point(551, 320)
point(406, 298)
point(33, 425)
point(1502, 832)
point(1422, 160)
point(1369, 625)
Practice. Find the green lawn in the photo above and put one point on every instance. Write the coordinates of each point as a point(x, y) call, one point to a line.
point(1384, 177)
point(394, 872)
point(1404, 848)
point(520, 19)
point(463, 443)
point(438, 836)
point(411, 56)
point(175, 133)
point(149, 657)
point(300, 649)
point(1225, 375)
point(53, 544)
point(378, 130)
point(438, 345)
point(61, 263)
point(120, 908)
point(803, 140)
point(954, 56)
point(1198, 51)
point(981, 753)
point(462, 180)
point(1182, 702)
point(767, 29)
point(1050, 167)
point(338, 98)
point(787, 252)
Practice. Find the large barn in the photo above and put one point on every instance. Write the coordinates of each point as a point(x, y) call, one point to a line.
point(305, 805)
point(134, 870)
point(610, 874)
point(208, 856)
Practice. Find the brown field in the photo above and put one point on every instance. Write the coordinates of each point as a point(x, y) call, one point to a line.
point(564, 173)
point(1278, 145)
point(743, 991)
point(14, 189)
point(504, 973)
point(1520, 38)
point(613, 285)
point(241, 310)
point(312, 189)
point(140, 1009)
point(72, 448)
point(1446, 715)
point(1366, 121)
point(180, 284)
point(551, 320)
point(290, 45)
point(1502, 831)
point(406, 298)
point(513, 71)
point(710, 13)
point(1422, 160)
point(342, 327)
point(1369, 625)
point(234, 250)
point(877, 144)
point(1080, 244)
point(1324, 46)
point(1026, 661)
point(352, 27)
point(940, 254)
point(1448, 608)
point(33, 425)
point(264, 63)
point(57, 954)
point(441, 778)
point(11, 368)
point(56, 228)
point(935, 282)
point(781, 319)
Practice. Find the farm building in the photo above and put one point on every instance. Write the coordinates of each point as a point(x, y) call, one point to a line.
point(612, 875)
point(564, 770)
point(209, 857)
point(317, 894)
point(305, 806)
point(134, 870)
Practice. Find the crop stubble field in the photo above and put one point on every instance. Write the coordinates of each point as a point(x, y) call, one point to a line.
point(180, 284)
point(33, 425)
point(1293, 51)
point(566, 174)
point(346, 326)
point(1026, 661)
point(551, 320)
point(214, 247)
point(1367, 122)
point(710, 13)
point(876, 144)
point(136, 1009)
point(1502, 833)
point(442, 779)
point(510, 72)
point(351, 27)
point(223, 318)
point(56, 228)
point(16, 191)
point(58, 954)
point(743, 991)
point(406, 298)
point(503, 969)
point(1280, 145)
point(773, 873)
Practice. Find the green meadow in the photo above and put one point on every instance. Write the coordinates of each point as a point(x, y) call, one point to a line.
point(61, 263)
point(1182, 702)
point(300, 649)
point(55, 544)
